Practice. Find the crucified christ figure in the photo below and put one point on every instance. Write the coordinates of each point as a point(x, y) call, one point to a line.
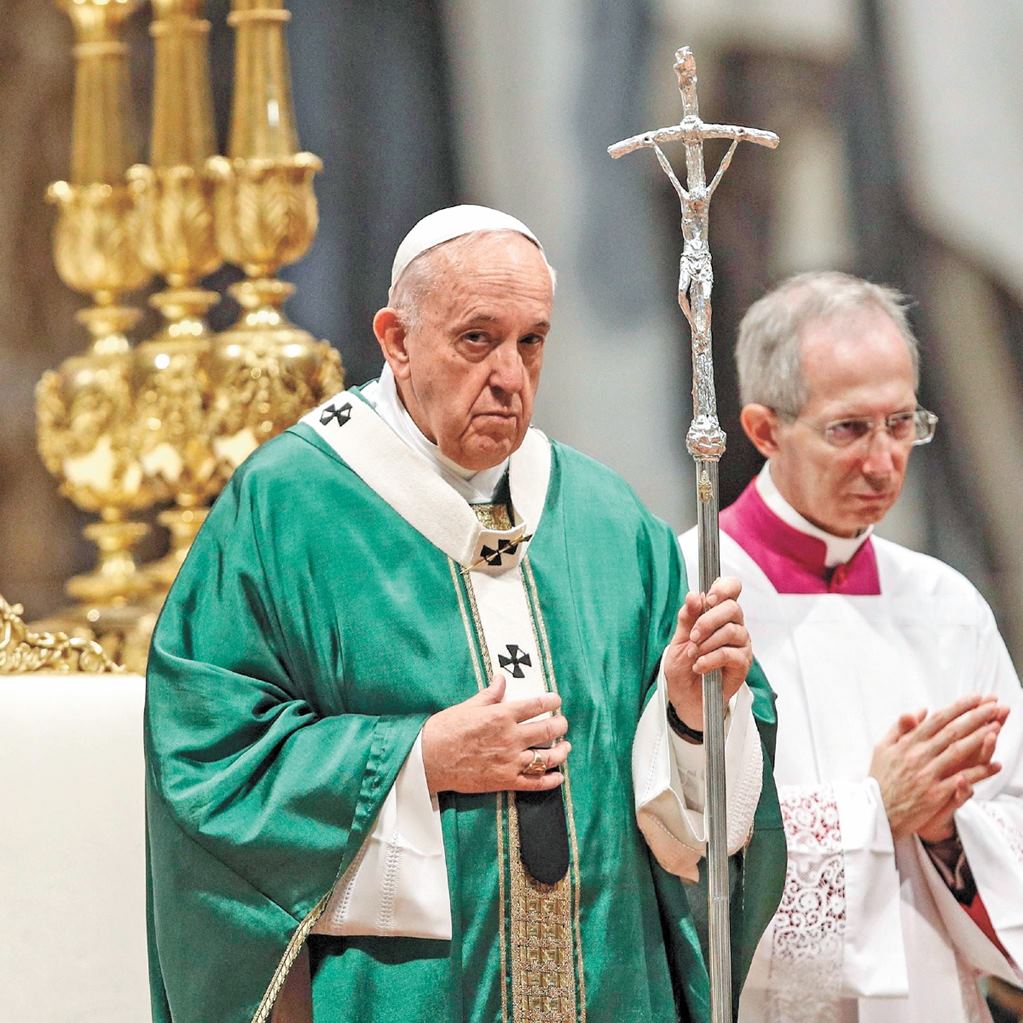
point(695, 268)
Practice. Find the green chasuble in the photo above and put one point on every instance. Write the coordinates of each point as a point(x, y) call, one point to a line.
point(311, 632)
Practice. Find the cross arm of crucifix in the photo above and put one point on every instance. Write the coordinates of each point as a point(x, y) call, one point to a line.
point(692, 129)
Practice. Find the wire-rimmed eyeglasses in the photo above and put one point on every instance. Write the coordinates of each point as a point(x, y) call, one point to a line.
point(912, 428)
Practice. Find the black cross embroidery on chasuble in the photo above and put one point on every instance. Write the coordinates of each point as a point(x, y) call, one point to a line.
point(342, 414)
point(493, 557)
point(515, 661)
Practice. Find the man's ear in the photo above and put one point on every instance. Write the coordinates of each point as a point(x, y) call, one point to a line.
point(391, 336)
point(760, 424)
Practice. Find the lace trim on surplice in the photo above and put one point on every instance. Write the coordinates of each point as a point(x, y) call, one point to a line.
point(809, 927)
point(743, 803)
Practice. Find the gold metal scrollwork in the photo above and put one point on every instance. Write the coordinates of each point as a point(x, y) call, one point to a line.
point(24, 651)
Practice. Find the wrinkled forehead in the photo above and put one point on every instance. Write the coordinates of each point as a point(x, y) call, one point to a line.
point(499, 273)
point(434, 270)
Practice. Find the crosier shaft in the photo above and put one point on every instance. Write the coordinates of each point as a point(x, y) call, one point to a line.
point(705, 441)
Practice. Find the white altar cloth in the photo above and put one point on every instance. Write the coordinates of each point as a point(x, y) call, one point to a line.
point(72, 850)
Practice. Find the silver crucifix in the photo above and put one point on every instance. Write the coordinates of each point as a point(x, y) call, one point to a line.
point(706, 443)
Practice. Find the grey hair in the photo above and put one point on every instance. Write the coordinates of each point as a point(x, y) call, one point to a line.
point(423, 275)
point(767, 354)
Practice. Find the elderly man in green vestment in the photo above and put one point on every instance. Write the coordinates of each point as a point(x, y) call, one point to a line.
point(423, 715)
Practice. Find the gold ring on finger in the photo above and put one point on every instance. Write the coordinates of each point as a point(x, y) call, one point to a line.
point(537, 766)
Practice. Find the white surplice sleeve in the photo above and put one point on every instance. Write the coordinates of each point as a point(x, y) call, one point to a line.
point(837, 932)
point(992, 835)
point(397, 885)
point(668, 778)
point(990, 825)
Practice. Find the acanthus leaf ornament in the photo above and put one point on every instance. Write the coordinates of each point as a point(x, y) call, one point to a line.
point(265, 371)
point(266, 212)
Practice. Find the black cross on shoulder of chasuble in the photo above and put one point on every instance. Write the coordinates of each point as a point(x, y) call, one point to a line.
point(340, 414)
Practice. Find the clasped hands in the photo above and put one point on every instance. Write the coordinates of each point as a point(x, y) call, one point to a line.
point(929, 762)
point(484, 744)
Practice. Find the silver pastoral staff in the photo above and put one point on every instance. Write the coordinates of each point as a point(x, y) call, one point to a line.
point(706, 443)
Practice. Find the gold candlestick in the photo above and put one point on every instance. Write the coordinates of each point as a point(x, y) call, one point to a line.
point(175, 201)
point(84, 408)
point(265, 371)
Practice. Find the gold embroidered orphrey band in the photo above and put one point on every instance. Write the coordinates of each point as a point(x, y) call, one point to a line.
point(542, 932)
point(542, 946)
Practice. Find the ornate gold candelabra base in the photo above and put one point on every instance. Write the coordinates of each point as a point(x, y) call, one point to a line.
point(85, 414)
point(266, 372)
point(171, 383)
point(112, 606)
point(117, 578)
point(123, 631)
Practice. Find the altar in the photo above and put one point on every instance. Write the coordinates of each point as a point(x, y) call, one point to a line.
point(72, 850)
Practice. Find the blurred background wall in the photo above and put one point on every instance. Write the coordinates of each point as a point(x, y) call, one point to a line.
point(902, 149)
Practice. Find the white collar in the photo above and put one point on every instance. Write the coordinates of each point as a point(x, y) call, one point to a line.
point(839, 549)
point(475, 487)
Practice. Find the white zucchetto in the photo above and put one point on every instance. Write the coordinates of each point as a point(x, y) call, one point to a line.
point(452, 222)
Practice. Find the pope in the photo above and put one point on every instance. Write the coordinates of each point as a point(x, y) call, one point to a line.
point(423, 723)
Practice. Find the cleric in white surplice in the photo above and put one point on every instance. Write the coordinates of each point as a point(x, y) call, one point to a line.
point(905, 876)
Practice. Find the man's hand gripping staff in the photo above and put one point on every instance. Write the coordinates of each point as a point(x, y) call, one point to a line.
point(486, 745)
